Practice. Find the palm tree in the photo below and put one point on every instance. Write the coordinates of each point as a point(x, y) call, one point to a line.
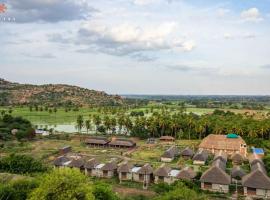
point(80, 123)
point(88, 125)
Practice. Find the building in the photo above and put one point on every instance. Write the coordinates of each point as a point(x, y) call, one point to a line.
point(230, 144)
point(143, 174)
point(108, 170)
point(42, 132)
point(77, 163)
point(166, 138)
point(221, 155)
point(187, 153)
point(97, 141)
point(258, 152)
point(64, 150)
point(237, 173)
point(215, 178)
point(61, 161)
point(200, 157)
point(90, 166)
point(186, 173)
point(237, 159)
point(170, 154)
point(122, 143)
point(125, 171)
point(257, 184)
point(161, 174)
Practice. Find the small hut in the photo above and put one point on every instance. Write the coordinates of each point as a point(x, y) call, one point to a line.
point(122, 143)
point(77, 163)
point(125, 171)
point(161, 173)
point(109, 169)
point(186, 173)
point(200, 157)
point(187, 153)
point(90, 166)
point(61, 161)
point(170, 154)
point(97, 141)
point(237, 173)
point(237, 159)
point(64, 150)
point(221, 155)
point(143, 174)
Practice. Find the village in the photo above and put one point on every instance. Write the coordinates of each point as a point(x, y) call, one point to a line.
point(219, 163)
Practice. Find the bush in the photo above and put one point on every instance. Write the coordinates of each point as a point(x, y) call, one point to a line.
point(21, 164)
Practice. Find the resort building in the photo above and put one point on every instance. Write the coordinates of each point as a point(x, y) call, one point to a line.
point(215, 178)
point(108, 170)
point(97, 141)
point(170, 154)
point(200, 157)
point(187, 153)
point(257, 184)
point(121, 143)
point(161, 174)
point(186, 173)
point(90, 166)
point(143, 174)
point(125, 171)
point(166, 139)
point(230, 144)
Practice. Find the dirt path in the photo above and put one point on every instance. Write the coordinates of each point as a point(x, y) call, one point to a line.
point(126, 192)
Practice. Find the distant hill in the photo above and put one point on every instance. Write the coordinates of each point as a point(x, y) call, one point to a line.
point(53, 94)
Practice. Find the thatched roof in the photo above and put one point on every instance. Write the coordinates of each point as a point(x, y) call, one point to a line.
point(122, 142)
point(257, 179)
point(110, 166)
point(237, 157)
point(125, 167)
point(254, 160)
point(97, 140)
point(237, 172)
point(221, 155)
point(258, 165)
point(187, 173)
point(163, 170)
point(216, 174)
point(201, 155)
point(146, 169)
point(77, 163)
point(172, 152)
point(187, 152)
point(91, 164)
point(61, 160)
point(221, 142)
point(165, 137)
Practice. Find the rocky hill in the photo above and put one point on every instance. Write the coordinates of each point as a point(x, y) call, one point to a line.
point(52, 95)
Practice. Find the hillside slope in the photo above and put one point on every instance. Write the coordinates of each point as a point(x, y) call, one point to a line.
point(53, 94)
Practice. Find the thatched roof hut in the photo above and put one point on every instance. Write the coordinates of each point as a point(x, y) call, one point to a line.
point(237, 158)
point(187, 152)
point(122, 143)
point(109, 166)
point(186, 173)
point(201, 155)
point(221, 155)
point(91, 164)
point(125, 167)
point(163, 171)
point(166, 138)
point(172, 152)
point(146, 169)
point(237, 172)
point(97, 141)
point(77, 163)
point(61, 161)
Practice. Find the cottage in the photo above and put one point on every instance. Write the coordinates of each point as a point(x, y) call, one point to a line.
point(125, 171)
point(187, 153)
point(200, 157)
point(215, 178)
point(122, 143)
point(90, 166)
point(77, 163)
point(170, 154)
point(172, 176)
point(64, 150)
point(108, 170)
point(230, 144)
point(237, 159)
point(186, 173)
point(61, 161)
point(97, 141)
point(237, 173)
point(254, 160)
point(166, 139)
point(258, 152)
point(221, 155)
point(161, 173)
point(143, 174)
point(256, 184)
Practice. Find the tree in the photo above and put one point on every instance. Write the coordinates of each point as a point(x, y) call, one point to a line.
point(104, 191)
point(87, 125)
point(80, 123)
point(63, 184)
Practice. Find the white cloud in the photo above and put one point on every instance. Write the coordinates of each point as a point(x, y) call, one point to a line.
point(144, 2)
point(251, 15)
point(222, 12)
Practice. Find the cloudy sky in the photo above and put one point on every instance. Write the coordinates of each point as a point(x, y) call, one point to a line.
point(139, 46)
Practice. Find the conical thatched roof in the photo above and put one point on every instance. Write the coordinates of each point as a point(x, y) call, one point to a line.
point(146, 169)
point(216, 174)
point(221, 155)
point(172, 152)
point(109, 166)
point(163, 170)
point(61, 160)
point(77, 163)
point(201, 155)
point(91, 164)
point(187, 152)
point(257, 179)
point(125, 167)
point(237, 172)
point(187, 174)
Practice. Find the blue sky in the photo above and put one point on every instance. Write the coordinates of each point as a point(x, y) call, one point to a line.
point(139, 46)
